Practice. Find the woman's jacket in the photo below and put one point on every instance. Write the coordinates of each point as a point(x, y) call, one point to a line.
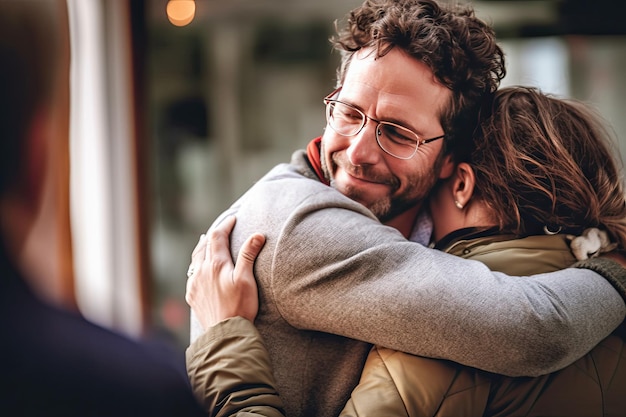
point(398, 384)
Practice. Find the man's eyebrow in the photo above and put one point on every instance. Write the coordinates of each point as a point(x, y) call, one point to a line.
point(399, 122)
point(404, 124)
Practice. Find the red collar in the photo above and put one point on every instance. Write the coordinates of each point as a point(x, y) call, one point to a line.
point(313, 153)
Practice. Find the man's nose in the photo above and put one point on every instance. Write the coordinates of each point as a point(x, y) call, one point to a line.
point(364, 149)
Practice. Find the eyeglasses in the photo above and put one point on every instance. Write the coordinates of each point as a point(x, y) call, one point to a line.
point(347, 120)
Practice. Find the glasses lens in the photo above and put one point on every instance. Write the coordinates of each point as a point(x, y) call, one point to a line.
point(344, 119)
point(396, 140)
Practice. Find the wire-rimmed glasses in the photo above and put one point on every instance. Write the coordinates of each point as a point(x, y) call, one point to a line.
point(347, 120)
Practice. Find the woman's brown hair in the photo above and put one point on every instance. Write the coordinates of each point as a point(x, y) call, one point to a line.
point(542, 161)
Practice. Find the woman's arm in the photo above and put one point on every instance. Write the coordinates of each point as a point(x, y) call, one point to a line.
point(230, 372)
point(228, 366)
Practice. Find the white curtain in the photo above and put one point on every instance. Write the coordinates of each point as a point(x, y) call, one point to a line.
point(103, 198)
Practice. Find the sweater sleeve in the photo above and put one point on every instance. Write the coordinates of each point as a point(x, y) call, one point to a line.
point(230, 373)
point(338, 272)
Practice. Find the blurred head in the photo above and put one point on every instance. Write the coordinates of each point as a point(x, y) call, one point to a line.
point(543, 161)
point(29, 55)
point(423, 66)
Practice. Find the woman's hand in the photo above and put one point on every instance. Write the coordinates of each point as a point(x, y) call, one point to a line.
point(217, 289)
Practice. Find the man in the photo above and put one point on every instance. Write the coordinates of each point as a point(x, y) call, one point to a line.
point(55, 363)
point(333, 280)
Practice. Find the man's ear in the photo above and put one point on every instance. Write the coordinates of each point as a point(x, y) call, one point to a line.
point(463, 183)
point(35, 162)
point(447, 167)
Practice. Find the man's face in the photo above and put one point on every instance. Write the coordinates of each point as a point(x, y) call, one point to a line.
point(395, 88)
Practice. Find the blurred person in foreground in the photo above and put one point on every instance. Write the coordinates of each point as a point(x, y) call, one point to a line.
point(55, 363)
point(537, 160)
point(343, 268)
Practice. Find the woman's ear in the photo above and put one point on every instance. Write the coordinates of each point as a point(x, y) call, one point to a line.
point(463, 184)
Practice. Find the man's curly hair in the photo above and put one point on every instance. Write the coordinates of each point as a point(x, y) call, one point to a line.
point(459, 48)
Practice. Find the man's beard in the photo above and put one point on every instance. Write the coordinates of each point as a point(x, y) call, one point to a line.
point(390, 206)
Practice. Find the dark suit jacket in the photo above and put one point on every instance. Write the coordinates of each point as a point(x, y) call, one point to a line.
point(56, 363)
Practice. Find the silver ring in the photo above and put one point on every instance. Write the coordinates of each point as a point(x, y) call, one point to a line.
point(190, 271)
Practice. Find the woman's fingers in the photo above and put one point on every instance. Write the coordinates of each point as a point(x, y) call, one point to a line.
point(247, 256)
point(199, 249)
point(243, 280)
point(218, 289)
point(218, 249)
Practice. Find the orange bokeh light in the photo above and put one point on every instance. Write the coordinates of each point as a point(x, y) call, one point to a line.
point(181, 12)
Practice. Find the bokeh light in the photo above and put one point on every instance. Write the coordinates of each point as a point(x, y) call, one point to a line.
point(181, 12)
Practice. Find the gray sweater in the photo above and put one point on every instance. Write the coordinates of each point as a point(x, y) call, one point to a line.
point(333, 281)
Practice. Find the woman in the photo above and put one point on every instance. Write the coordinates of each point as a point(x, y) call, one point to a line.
point(539, 173)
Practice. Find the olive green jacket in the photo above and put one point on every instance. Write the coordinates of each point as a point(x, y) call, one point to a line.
point(230, 371)
point(230, 359)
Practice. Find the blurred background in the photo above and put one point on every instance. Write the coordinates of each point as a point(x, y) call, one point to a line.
point(173, 117)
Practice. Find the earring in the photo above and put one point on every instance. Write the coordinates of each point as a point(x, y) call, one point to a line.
point(458, 204)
